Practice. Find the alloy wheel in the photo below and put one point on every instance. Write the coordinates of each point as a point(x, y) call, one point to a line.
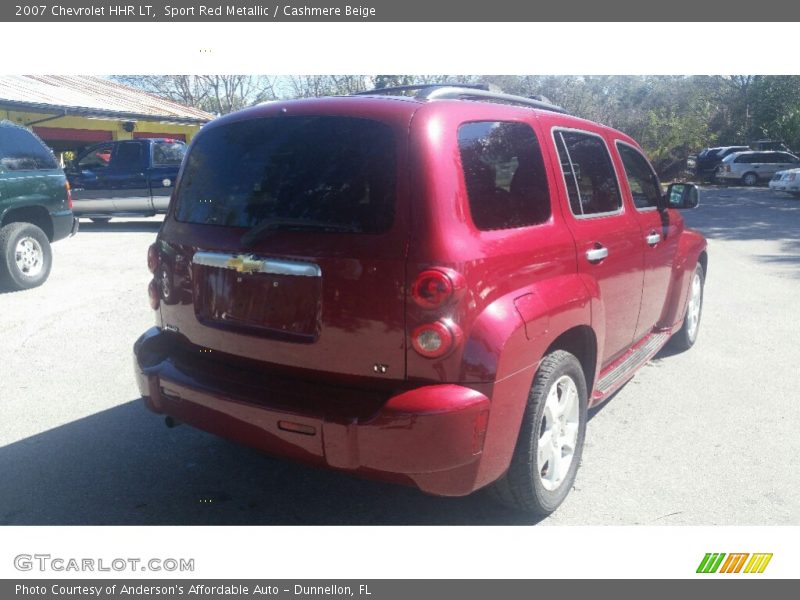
point(558, 433)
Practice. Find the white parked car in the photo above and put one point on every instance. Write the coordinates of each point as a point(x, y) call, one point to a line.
point(750, 168)
point(786, 181)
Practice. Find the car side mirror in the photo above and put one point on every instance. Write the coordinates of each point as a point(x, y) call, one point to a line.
point(682, 196)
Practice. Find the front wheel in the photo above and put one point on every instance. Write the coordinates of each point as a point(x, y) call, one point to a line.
point(550, 442)
point(686, 336)
point(25, 256)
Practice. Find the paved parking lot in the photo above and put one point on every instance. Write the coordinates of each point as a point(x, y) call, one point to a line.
point(708, 437)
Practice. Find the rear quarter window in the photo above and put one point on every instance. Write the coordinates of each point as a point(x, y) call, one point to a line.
point(319, 172)
point(504, 174)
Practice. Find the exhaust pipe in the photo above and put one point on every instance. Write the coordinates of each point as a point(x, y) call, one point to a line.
point(171, 423)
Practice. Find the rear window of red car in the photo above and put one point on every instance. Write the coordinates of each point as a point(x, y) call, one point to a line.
point(318, 172)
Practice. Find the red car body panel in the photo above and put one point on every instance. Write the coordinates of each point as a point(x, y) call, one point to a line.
point(331, 378)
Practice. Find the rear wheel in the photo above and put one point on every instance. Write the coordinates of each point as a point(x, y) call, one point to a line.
point(25, 256)
point(686, 336)
point(750, 179)
point(550, 442)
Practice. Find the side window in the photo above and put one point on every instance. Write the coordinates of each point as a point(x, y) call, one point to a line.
point(505, 175)
point(645, 189)
point(168, 153)
point(128, 157)
point(588, 173)
point(20, 150)
point(97, 159)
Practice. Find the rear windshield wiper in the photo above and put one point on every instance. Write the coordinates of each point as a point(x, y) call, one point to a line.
point(259, 231)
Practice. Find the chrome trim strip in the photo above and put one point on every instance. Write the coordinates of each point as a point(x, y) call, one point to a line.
point(249, 263)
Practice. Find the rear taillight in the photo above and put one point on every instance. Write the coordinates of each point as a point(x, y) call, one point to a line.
point(69, 195)
point(155, 295)
point(431, 289)
point(432, 340)
point(152, 257)
point(436, 291)
point(435, 287)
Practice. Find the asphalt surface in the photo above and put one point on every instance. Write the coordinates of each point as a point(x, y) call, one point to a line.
point(708, 437)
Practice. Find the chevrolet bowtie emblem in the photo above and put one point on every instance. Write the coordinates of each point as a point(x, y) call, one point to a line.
point(245, 264)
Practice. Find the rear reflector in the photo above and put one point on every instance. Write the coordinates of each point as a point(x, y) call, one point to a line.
point(479, 435)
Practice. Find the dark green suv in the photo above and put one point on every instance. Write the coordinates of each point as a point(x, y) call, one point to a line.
point(35, 208)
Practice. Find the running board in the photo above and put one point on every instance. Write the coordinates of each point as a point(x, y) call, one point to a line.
point(629, 363)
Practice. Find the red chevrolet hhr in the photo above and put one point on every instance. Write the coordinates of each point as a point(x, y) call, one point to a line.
point(427, 285)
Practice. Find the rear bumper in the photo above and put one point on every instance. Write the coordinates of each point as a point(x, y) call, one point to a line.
point(65, 224)
point(431, 436)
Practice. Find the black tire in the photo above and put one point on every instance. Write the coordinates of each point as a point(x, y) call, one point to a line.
point(750, 179)
point(686, 336)
point(100, 220)
point(522, 487)
point(12, 276)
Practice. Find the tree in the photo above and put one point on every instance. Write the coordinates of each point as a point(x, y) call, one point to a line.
point(217, 94)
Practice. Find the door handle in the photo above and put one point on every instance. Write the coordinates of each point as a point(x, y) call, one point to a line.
point(653, 238)
point(596, 254)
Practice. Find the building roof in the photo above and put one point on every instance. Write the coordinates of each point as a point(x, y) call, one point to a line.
point(91, 97)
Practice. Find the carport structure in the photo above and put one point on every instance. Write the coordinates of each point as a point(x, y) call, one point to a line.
point(70, 112)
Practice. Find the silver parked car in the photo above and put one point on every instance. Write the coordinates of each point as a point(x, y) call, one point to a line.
point(750, 168)
point(786, 181)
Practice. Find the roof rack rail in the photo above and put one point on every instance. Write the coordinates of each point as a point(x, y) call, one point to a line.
point(464, 93)
point(421, 86)
point(458, 91)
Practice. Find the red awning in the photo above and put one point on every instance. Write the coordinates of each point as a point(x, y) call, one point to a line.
point(65, 134)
